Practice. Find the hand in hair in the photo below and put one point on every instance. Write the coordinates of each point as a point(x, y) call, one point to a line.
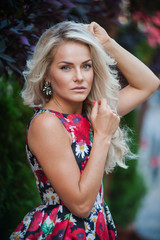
point(98, 32)
point(141, 80)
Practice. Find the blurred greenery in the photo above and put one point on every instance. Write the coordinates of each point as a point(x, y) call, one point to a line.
point(127, 186)
point(18, 191)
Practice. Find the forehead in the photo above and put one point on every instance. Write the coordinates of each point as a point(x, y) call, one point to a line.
point(72, 51)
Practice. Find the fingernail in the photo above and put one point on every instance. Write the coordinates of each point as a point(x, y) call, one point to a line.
point(94, 102)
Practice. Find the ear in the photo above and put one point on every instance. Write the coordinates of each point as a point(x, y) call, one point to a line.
point(47, 79)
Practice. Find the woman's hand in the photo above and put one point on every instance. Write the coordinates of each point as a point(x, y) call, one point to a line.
point(98, 32)
point(104, 121)
point(142, 81)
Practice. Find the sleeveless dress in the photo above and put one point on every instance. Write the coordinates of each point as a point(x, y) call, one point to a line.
point(52, 220)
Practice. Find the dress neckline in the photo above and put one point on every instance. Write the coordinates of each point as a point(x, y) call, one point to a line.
point(56, 112)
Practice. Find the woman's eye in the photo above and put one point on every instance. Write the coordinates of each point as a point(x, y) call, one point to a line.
point(87, 66)
point(64, 67)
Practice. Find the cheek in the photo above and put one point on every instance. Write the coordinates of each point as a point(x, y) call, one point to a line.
point(58, 80)
point(63, 79)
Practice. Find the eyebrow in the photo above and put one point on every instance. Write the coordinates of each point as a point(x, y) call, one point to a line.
point(88, 60)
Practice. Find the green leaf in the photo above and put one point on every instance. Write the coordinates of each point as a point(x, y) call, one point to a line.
point(67, 216)
point(47, 228)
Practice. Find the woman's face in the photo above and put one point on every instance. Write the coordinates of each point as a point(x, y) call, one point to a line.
point(71, 73)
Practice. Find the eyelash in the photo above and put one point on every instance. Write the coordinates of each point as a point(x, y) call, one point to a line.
point(64, 67)
point(85, 66)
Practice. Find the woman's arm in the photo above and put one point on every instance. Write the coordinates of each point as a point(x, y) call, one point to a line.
point(50, 143)
point(142, 81)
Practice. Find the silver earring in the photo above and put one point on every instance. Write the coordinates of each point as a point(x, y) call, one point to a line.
point(47, 89)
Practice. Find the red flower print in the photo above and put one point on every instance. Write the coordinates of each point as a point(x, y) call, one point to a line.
point(58, 114)
point(20, 226)
point(74, 119)
point(61, 234)
point(101, 227)
point(79, 234)
point(71, 224)
point(35, 235)
point(35, 223)
point(100, 190)
point(44, 217)
point(83, 164)
point(62, 203)
point(60, 229)
point(41, 176)
point(111, 235)
point(81, 133)
point(53, 214)
point(68, 232)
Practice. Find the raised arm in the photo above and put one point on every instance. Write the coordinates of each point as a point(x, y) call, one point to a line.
point(142, 81)
point(51, 144)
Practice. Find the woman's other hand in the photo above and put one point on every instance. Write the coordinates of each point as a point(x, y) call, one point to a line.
point(104, 121)
point(98, 32)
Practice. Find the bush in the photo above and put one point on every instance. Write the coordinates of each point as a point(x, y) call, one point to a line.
point(18, 190)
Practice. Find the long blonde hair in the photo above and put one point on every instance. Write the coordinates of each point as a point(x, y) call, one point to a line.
point(105, 84)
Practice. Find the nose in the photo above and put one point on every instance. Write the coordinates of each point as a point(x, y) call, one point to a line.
point(78, 76)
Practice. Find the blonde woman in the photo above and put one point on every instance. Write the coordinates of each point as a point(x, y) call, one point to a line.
point(74, 135)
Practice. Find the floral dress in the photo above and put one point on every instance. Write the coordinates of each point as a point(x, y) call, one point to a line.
point(52, 219)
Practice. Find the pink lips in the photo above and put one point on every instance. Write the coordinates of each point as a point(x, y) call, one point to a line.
point(79, 89)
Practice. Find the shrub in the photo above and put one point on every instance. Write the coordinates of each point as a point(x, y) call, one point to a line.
point(18, 191)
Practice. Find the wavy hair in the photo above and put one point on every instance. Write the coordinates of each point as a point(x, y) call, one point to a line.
point(105, 83)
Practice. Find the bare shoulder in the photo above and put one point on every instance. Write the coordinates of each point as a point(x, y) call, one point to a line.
point(45, 120)
point(46, 128)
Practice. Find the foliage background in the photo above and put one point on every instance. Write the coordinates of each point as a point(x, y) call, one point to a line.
point(134, 24)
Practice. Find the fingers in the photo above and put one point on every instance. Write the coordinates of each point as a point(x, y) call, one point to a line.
point(92, 27)
point(102, 108)
point(100, 105)
point(104, 121)
point(98, 32)
point(94, 110)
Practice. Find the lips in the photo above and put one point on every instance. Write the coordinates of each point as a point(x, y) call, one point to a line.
point(79, 89)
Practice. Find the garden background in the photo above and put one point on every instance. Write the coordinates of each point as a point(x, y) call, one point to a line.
point(135, 25)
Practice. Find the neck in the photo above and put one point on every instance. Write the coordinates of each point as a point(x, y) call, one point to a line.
point(65, 107)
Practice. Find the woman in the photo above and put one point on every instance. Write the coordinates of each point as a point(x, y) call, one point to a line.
point(70, 140)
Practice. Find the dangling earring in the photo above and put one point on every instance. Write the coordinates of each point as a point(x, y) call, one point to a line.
point(47, 89)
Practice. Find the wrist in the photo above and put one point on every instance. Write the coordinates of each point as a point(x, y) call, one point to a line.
point(110, 46)
point(102, 139)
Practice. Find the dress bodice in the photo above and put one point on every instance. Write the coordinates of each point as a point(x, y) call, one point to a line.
point(81, 132)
